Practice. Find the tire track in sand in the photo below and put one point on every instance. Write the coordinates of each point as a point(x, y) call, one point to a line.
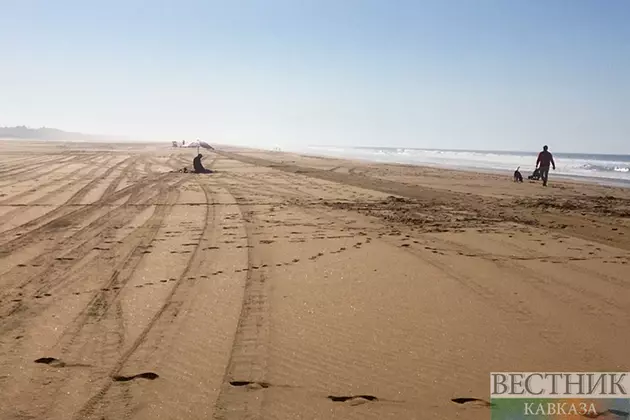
point(11, 165)
point(97, 332)
point(248, 358)
point(103, 179)
point(57, 272)
point(65, 207)
point(99, 399)
point(30, 168)
point(122, 271)
point(65, 215)
point(43, 199)
point(113, 185)
point(96, 160)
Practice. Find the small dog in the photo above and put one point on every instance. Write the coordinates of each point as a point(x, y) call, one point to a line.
point(535, 176)
point(517, 175)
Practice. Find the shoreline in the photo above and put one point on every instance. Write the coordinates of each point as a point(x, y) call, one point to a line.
point(72, 144)
point(599, 180)
point(602, 181)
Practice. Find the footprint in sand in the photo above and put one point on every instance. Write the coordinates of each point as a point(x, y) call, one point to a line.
point(145, 375)
point(51, 361)
point(353, 399)
point(250, 384)
point(471, 400)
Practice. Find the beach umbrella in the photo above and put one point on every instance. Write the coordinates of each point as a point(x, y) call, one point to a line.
point(205, 145)
point(199, 144)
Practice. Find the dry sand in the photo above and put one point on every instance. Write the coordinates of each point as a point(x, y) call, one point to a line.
point(288, 287)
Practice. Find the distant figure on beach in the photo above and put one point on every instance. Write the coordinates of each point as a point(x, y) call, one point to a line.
point(545, 158)
point(198, 167)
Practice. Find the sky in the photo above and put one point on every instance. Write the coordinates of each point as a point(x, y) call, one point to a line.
point(467, 74)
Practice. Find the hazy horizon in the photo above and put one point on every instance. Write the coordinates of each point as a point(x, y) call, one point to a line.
point(425, 74)
point(95, 137)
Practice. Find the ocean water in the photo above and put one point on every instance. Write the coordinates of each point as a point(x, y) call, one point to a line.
point(609, 169)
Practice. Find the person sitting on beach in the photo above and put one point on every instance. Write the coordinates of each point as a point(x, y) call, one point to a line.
point(198, 167)
point(544, 159)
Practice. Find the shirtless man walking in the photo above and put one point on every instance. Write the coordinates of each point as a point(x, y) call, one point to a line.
point(545, 158)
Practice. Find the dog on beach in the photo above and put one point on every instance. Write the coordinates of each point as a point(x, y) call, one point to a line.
point(535, 176)
point(517, 175)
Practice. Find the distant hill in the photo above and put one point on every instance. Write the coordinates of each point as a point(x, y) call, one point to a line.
point(50, 134)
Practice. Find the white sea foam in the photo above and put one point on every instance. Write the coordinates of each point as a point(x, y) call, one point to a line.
point(611, 167)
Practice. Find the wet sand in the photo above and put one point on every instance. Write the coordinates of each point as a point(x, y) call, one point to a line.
point(289, 287)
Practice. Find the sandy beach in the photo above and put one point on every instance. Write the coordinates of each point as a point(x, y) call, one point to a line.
point(292, 287)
